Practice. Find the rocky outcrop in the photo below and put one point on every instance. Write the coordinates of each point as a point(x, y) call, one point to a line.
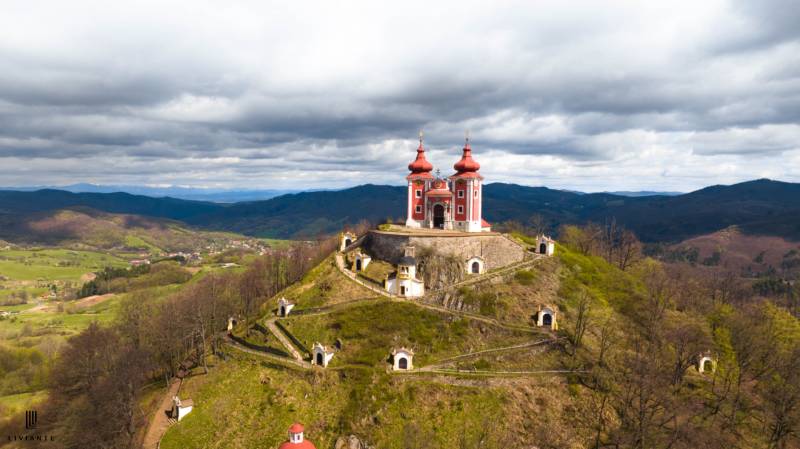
point(495, 249)
point(350, 442)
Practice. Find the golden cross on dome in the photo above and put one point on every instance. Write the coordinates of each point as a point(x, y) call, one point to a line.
point(420, 136)
point(466, 135)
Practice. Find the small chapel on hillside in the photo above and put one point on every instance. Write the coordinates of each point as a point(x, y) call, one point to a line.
point(453, 203)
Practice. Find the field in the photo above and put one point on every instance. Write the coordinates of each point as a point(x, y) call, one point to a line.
point(37, 320)
point(53, 264)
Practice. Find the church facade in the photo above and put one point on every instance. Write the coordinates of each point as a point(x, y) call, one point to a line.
point(452, 203)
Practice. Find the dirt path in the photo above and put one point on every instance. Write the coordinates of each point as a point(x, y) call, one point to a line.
point(437, 365)
point(354, 278)
point(161, 422)
point(283, 339)
point(273, 357)
point(89, 301)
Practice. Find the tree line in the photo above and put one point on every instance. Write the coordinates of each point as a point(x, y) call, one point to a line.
point(636, 362)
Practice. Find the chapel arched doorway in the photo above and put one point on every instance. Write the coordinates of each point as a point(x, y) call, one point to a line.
point(438, 216)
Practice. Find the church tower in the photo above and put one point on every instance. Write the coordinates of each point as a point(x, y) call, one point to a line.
point(419, 182)
point(467, 186)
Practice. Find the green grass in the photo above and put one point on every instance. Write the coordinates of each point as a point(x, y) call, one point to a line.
point(369, 332)
point(134, 241)
point(16, 403)
point(247, 403)
point(278, 243)
point(607, 284)
point(53, 264)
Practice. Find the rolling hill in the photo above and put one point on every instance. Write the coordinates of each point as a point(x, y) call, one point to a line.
point(81, 227)
point(757, 207)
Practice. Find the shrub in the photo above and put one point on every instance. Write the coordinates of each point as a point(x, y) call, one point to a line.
point(525, 277)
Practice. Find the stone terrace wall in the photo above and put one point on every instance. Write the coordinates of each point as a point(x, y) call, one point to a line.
point(495, 249)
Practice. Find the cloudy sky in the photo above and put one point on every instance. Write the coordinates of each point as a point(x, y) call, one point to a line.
point(588, 95)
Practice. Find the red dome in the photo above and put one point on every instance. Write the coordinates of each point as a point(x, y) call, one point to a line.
point(293, 430)
point(467, 164)
point(304, 445)
point(420, 164)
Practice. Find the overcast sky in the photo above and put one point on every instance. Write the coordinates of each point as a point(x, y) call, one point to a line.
point(588, 95)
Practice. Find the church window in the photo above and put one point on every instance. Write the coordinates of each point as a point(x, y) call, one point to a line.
point(461, 194)
point(475, 193)
point(418, 209)
point(460, 209)
point(418, 193)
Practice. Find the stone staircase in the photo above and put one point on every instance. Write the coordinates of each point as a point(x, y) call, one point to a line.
point(354, 278)
point(283, 339)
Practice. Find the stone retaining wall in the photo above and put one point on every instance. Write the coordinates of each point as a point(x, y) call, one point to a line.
point(496, 250)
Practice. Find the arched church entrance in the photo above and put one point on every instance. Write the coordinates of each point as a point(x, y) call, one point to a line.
point(476, 267)
point(319, 358)
point(358, 265)
point(402, 363)
point(547, 319)
point(438, 216)
point(543, 248)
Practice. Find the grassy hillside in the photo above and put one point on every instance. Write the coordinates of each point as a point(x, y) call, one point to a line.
point(87, 228)
point(247, 401)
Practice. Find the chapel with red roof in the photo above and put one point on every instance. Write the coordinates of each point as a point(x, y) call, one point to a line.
point(453, 203)
point(297, 439)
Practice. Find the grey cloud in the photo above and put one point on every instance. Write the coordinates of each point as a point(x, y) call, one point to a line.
point(584, 94)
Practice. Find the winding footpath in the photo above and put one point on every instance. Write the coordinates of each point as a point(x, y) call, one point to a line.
point(161, 422)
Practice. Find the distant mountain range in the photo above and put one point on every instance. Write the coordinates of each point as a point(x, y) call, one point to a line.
point(185, 193)
point(644, 193)
point(224, 195)
point(758, 207)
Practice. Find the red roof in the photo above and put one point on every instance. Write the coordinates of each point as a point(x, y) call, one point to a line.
point(469, 174)
point(423, 175)
point(439, 192)
point(484, 223)
point(305, 444)
point(420, 164)
point(466, 164)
